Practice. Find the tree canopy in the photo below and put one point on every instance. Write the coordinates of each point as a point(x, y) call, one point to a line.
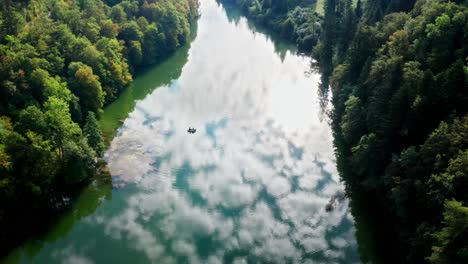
point(400, 118)
point(61, 62)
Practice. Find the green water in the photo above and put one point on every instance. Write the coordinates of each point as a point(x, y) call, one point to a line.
point(144, 83)
point(251, 186)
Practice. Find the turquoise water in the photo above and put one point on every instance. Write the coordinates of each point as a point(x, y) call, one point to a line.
point(251, 186)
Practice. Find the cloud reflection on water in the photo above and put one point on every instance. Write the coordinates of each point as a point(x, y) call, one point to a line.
point(253, 182)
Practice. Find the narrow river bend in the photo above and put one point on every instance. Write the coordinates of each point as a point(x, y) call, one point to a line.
point(250, 186)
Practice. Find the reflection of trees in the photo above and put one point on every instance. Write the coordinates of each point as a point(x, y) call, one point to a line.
point(376, 238)
point(281, 46)
point(145, 82)
point(323, 95)
point(233, 13)
point(377, 241)
point(86, 202)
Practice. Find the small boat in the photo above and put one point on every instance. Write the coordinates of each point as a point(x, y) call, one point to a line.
point(191, 130)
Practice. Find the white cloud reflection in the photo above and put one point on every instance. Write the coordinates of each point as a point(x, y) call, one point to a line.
point(253, 182)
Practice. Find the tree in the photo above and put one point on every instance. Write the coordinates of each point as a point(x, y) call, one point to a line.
point(450, 183)
point(88, 89)
point(93, 57)
point(11, 19)
point(352, 125)
point(153, 44)
point(45, 86)
point(130, 32)
point(142, 23)
point(135, 54)
point(92, 132)
point(375, 10)
point(5, 130)
point(6, 162)
point(358, 10)
point(35, 162)
point(118, 15)
point(77, 161)
point(109, 29)
point(74, 152)
point(91, 29)
point(32, 119)
point(61, 126)
point(452, 240)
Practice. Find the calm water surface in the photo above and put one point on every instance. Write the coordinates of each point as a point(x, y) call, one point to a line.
point(251, 186)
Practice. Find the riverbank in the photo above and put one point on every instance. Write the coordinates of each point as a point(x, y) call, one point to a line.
point(145, 81)
point(60, 63)
point(246, 187)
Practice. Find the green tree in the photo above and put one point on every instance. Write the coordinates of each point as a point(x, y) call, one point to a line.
point(33, 119)
point(118, 15)
point(92, 132)
point(109, 29)
point(5, 129)
point(452, 240)
point(135, 54)
point(88, 89)
point(130, 32)
point(5, 159)
point(45, 86)
point(61, 126)
point(35, 162)
point(153, 44)
point(352, 124)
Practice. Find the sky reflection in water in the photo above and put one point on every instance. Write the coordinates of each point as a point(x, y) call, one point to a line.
point(250, 186)
point(253, 182)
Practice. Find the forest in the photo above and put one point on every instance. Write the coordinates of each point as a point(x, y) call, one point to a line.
point(61, 62)
point(397, 71)
point(398, 74)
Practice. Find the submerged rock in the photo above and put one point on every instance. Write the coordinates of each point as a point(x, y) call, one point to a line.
point(339, 197)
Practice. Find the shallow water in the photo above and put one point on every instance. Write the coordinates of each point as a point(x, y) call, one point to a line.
point(250, 186)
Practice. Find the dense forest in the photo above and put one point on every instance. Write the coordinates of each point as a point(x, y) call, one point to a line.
point(397, 70)
point(398, 73)
point(61, 61)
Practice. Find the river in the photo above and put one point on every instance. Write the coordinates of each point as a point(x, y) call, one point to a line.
point(250, 186)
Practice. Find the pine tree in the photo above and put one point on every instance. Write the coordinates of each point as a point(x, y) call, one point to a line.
point(328, 38)
point(358, 10)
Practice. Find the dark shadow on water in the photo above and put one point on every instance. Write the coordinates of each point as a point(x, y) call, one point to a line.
point(83, 202)
point(324, 100)
point(376, 235)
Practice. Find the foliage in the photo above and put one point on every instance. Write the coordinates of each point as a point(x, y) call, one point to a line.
point(93, 134)
point(401, 118)
point(61, 61)
point(452, 240)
